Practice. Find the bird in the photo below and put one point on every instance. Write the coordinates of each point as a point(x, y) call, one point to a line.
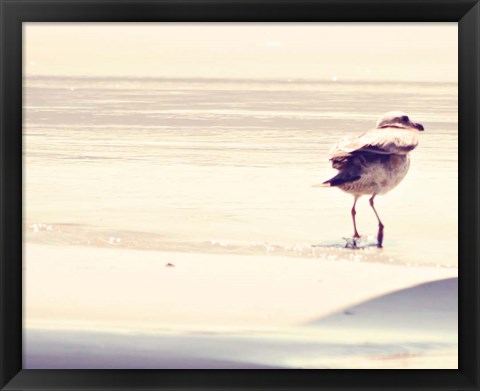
point(374, 162)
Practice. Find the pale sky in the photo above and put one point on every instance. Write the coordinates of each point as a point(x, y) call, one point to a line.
point(320, 51)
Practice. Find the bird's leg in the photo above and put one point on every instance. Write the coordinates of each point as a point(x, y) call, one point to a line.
point(380, 225)
point(354, 212)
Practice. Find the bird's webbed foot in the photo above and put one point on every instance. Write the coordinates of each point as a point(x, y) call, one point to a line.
point(352, 242)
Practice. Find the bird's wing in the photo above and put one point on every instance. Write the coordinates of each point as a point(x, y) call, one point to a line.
point(385, 141)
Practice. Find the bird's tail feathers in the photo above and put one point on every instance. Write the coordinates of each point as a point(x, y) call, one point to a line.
point(323, 184)
point(340, 179)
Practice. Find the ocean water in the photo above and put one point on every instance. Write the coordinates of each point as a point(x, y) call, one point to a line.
point(227, 166)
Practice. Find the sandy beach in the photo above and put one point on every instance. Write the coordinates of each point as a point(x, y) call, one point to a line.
point(128, 309)
point(171, 221)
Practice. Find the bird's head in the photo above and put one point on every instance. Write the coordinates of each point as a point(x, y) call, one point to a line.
point(398, 119)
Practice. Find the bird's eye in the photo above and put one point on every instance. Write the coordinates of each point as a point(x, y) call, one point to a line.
point(404, 118)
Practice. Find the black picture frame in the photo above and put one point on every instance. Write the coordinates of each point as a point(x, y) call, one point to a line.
point(15, 12)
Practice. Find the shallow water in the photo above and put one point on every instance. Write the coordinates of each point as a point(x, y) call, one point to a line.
point(228, 166)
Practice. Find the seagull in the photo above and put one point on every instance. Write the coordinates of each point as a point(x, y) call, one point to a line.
point(374, 162)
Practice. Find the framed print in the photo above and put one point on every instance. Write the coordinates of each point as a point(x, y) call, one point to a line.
point(239, 195)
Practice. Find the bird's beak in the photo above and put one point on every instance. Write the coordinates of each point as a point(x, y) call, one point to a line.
point(418, 126)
